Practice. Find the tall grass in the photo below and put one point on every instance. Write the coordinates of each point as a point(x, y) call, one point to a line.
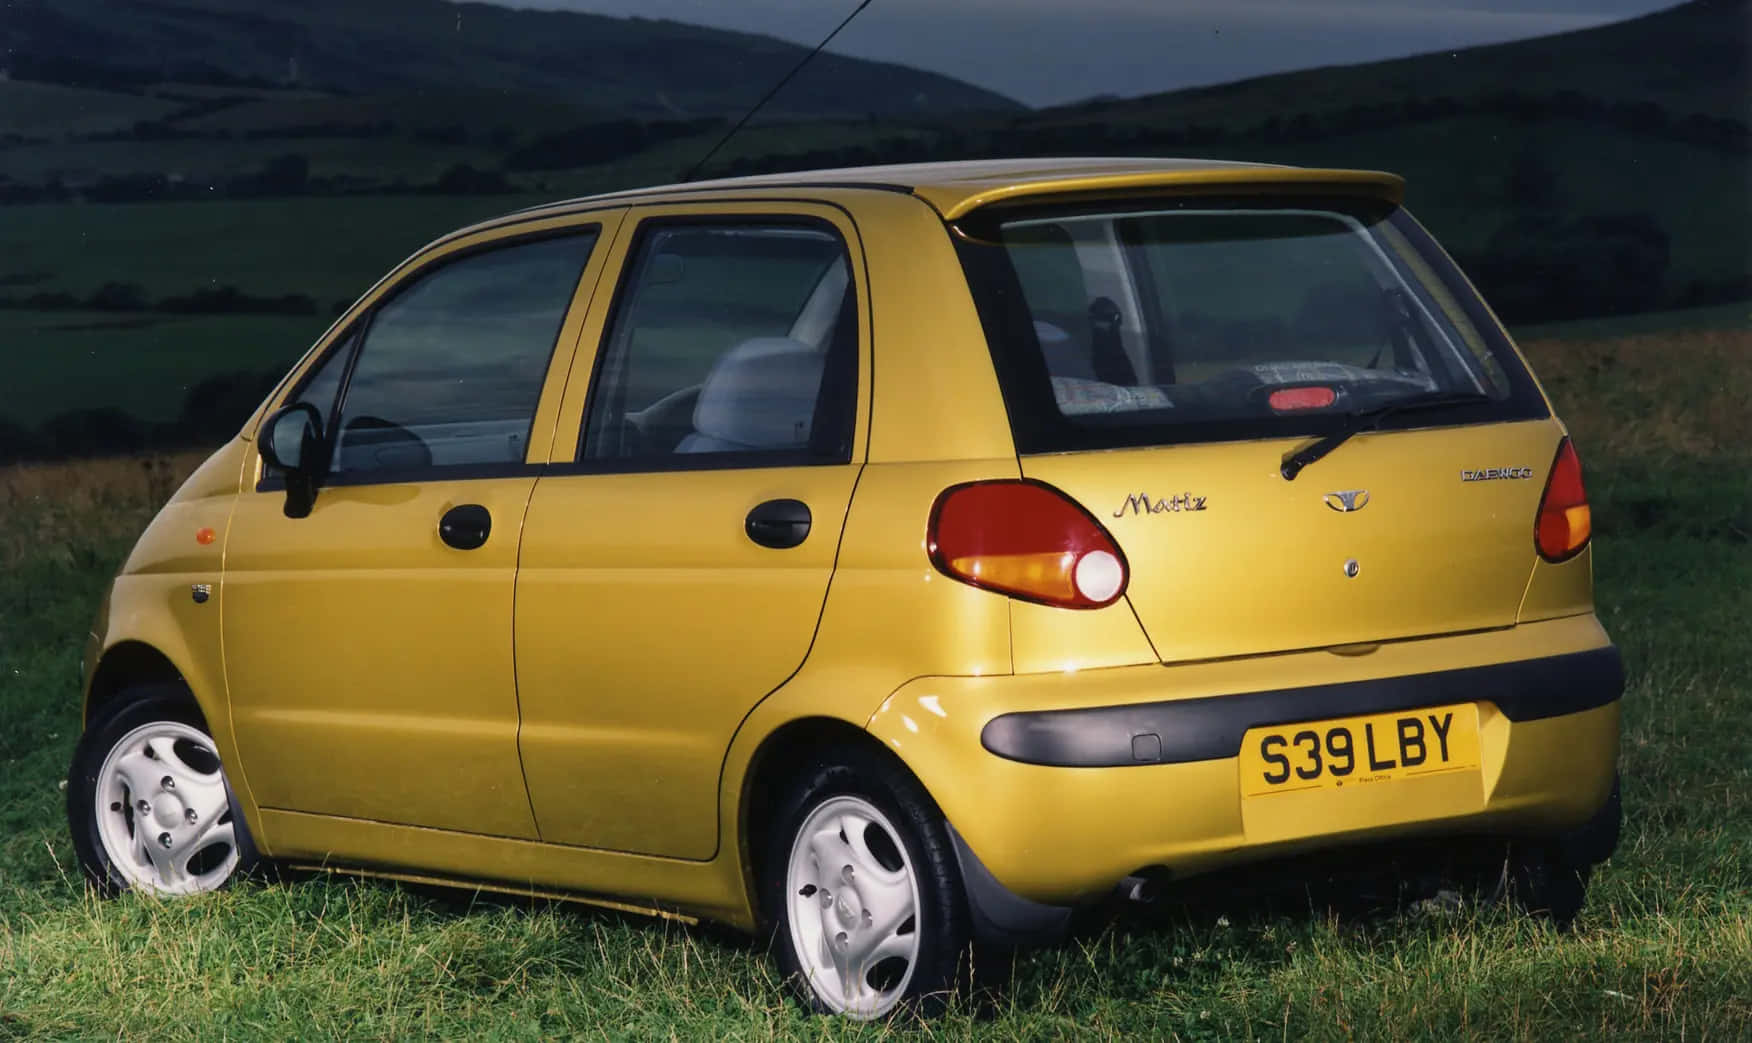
point(1663, 951)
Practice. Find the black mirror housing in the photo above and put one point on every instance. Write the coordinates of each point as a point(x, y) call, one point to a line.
point(291, 440)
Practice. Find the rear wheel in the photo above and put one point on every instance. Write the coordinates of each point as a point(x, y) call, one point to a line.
point(863, 891)
point(1549, 877)
point(1539, 880)
point(147, 799)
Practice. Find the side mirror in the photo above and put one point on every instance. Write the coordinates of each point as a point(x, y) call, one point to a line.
point(291, 441)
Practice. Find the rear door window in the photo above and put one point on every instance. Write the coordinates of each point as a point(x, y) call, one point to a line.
point(731, 344)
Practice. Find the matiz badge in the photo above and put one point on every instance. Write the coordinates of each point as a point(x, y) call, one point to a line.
point(1142, 503)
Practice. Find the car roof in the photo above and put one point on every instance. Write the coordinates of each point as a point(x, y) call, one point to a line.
point(958, 187)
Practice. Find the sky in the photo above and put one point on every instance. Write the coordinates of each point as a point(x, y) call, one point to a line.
point(1046, 52)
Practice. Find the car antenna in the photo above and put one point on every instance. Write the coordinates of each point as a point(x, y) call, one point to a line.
point(768, 96)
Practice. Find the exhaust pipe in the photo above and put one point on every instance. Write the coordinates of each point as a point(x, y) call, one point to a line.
point(1140, 889)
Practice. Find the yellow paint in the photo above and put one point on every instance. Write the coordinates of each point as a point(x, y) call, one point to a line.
point(579, 706)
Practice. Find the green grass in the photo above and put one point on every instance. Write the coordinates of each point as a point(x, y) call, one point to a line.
point(1663, 951)
point(1715, 317)
point(204, 161)
point(1457, 182)
point(51, 110)
point(328, 248)
point(141, 364)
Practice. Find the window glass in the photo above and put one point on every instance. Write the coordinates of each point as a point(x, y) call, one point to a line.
point(452, 365)
point(1152, 326)
point(323, 384)
point(728, 339)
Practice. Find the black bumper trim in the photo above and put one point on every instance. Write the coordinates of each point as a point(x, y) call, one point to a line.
point(1211, 728)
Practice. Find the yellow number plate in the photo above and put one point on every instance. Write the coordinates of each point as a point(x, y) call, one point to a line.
point(1355, 751)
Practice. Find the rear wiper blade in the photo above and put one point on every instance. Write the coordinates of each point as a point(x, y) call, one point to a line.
point(1369, 419)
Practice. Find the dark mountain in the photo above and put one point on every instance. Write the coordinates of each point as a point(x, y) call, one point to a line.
point(1691, 59)
point(630, 66)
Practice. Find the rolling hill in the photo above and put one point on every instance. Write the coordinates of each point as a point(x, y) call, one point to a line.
point(189, 189)
point(1690, 59)
point(629, 66)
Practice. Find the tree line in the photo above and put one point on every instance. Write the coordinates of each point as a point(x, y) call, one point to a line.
point(211, 413)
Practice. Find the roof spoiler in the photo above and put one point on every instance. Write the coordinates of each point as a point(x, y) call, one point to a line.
point(1368, 184)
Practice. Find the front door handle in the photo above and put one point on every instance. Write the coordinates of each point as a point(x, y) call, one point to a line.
point(465, 526)
point(779, 523)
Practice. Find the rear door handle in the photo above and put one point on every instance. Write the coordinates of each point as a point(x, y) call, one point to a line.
point(779, 523)
point(465, 526)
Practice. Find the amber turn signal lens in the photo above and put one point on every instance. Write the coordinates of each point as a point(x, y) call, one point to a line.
point(205, 535)
point(1564, 523)
point(1028, 540)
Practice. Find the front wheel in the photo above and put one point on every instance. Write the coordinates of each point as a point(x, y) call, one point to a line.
point(864, 893)
point(147, 800)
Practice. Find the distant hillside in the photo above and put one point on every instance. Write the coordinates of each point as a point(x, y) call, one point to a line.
point(1691, 59)
point(1604, 171)
point(191, 189)
point(627, 66)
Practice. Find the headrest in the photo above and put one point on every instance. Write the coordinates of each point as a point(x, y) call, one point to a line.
point(761, 394)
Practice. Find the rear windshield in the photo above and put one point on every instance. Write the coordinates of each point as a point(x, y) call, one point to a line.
point(1196, 320)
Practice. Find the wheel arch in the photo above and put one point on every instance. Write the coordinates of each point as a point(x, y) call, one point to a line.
point(779, 757)
point(136, 661)
point(129, 664)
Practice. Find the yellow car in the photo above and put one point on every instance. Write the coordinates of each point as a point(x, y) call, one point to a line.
point(883, 559)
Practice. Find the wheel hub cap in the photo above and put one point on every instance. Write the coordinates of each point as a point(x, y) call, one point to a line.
point(167, 810)
point(163, 813)
point(854, 914)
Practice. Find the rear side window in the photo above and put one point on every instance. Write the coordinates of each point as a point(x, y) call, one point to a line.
point(1200, 321)
point(731, 344)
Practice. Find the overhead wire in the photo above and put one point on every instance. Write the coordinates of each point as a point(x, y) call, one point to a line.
point(776, 88)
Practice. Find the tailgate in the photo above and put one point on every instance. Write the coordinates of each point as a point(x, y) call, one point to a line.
point(1394, 535)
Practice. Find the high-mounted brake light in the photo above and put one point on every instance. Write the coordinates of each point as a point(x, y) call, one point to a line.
point(1285, 400)
point(1028, 540)
point(1564, 523)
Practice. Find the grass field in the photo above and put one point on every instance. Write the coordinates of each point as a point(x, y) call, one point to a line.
point(1664, 422)
point(142, 364)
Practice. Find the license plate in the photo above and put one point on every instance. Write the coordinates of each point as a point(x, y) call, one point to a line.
point(1359, 751)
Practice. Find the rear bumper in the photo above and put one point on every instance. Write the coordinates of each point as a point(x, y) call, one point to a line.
point(1180, 730)
point(1061, 785)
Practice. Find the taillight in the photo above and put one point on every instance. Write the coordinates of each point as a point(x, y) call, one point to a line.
point(1564, 523)
point(1028, 540)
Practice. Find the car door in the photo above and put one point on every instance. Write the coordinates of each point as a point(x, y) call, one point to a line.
point(672, 574)
point(368, 644)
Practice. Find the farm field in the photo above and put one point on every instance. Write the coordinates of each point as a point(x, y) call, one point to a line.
point(1663, 420)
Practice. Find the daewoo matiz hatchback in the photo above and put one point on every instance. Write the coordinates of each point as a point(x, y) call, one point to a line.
point(883, 559)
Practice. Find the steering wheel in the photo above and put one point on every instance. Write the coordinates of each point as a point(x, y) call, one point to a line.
point(384, 445)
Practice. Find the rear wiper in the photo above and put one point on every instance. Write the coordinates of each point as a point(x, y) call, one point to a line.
point(1369, 419)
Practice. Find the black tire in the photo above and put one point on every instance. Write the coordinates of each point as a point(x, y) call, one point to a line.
point(131, 709)
point(941, 971)
point(1537, 879)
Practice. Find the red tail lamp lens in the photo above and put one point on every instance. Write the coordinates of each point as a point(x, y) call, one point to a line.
point(1027, 540)
point(1565, 523)
point(1287, 400)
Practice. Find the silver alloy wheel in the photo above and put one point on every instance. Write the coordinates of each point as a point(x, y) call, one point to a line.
point(166, 823)
point(854, 907)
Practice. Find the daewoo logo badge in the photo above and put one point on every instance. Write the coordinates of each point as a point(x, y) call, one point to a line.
point(1347, 501)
